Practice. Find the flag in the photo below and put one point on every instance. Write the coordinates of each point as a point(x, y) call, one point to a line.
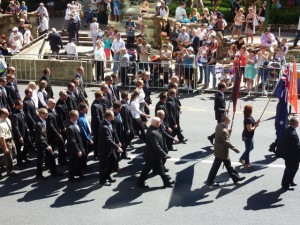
point(281, 92)
point(236, 88)
point(293, 89)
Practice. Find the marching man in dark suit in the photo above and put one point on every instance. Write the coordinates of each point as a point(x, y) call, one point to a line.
point(97, 114)
point(220, 107)
point(43, 147)
point(20, 133)
point(46, 77)
point(221, 151)
point(108, 146)
point(154, 155)
point(291, 154)
point(74, 147)
point(62, 111)
point(54, 133)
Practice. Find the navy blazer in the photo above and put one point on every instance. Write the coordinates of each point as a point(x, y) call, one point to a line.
point(107, 140)
point(74, 140)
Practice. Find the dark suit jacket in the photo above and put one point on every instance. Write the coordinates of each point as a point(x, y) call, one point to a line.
point(62, 114)
point(97, 114)
point(11, 95)
point(154, 151)
point(4, 103)
point(116, 91)
point(107, 102)
point(291, 145)
point(81, 84)
point(55, 41)
point(41, 140)
point(72, 102)
point(107, 140)
point(53, 130)
point(172, 111)
point(127, 117)
point(30, 113)
point(196, 44)
point(74, 140)
point(48, 89)
point(119, 128)
point(162, 106)
point(220, 106)
point(147, 92)
point(166, 136)
point(18, 125)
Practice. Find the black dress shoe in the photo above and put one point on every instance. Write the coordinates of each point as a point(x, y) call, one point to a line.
point(168, 185)
point(142, 185)
point(173, 149)
point(106, 183)
point(40, 177)
point(288, 188)
point(21, 165)
point(239, 179)
point(111, 180)
point(166, 169)
point(126, 157)
point(293, 184)
point(182, 142)
point(214, 184)
point(56, 174)
point(27, 161)
point(73, 179)
point(211, 139)
point(63, 163)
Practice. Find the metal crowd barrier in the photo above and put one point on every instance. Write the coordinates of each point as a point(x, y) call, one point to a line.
point(29, 67)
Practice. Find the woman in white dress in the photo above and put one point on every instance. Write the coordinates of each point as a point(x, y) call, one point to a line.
point(100, 60)
point(27, 34)
point(94, 30)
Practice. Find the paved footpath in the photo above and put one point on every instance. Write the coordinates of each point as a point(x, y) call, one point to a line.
point(257, 200)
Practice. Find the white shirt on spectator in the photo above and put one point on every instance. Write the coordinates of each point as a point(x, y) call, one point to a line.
point(180, 14)
point(71, 49)
point(12, 35)
point(44, 24)
point(135, 108)
point(117, 45)
point(27, 36)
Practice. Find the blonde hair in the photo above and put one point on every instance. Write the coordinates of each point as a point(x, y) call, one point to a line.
point(32, 85)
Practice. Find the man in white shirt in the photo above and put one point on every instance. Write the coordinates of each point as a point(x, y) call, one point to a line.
point(180, 12)
point(44, 25)
point(184, 37)
point(71, 49)
point(7, 145)
point(42, 10)
point(116, 46)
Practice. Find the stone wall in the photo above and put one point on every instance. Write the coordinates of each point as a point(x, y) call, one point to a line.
point(7, 22)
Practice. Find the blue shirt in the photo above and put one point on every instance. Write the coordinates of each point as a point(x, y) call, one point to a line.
point(189, 62)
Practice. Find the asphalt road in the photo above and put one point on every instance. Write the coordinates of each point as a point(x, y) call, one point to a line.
point(257, 200)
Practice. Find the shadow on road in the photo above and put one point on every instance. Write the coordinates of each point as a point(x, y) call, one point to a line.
point(182, 195)
point(204, 153)
point(264, 200)
point(258, 165)
point(127, 192)
point(225, 191)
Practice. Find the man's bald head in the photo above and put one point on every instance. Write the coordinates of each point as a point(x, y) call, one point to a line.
point(156, 122)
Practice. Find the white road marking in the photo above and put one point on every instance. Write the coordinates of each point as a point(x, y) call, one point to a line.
point(205, 161)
